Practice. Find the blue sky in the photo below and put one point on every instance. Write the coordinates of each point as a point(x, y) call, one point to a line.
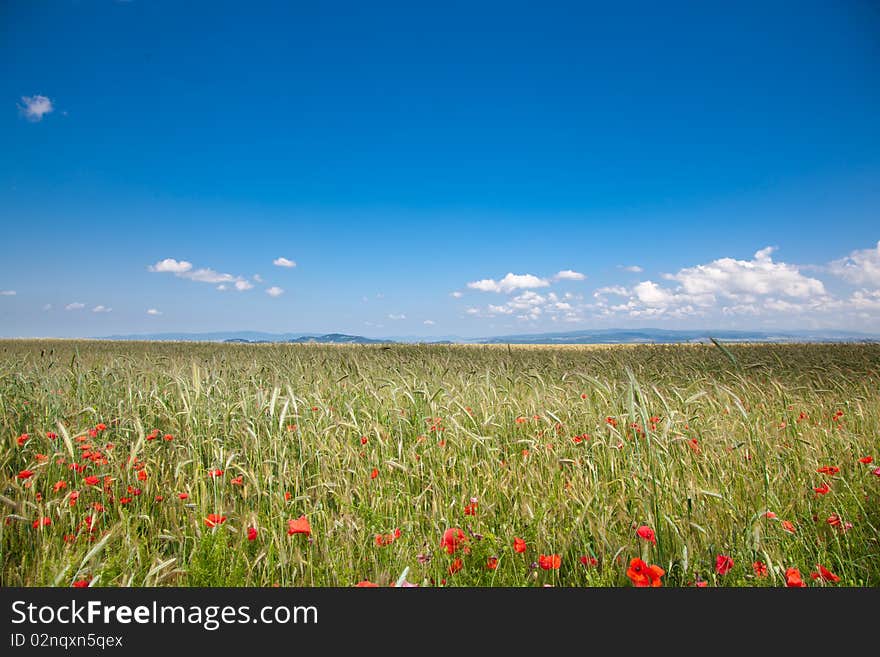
point(464, 168)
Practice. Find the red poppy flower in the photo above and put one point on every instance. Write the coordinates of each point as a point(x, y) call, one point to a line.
point(793, 578)
point(452, 540)
point(519, 545)
point(824, 489)
point(168, 437)
point(760, 568)
point(549, 561)
point(770, 515)
point(101, 427)
point(825, 575)
point(216, 473)
point(45, 521)
point(92, 480)
point(723, 564)
point(25, 474)
point(643, 575)
point(470, 509)
point(788, 526)
point(299, 526)
point(877, 472)
point(866, 459)
point(252, 533)
point(374, 473)
point(214, 519)
point(81, 584)
point(363, 440)
point(237, 481)
point(828, 469)
point(366, 584)
point(287, 495)
point(589, 561)
point(51, 435)
point(59, 485)
point(455, 566)
point(183, 496)
point(647, 533)
point(22, 439)
point(492, 563)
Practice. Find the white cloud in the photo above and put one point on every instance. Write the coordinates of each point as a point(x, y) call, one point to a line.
point(737, 278)
point(76, 305)
point(396, 317)
point(456, 294)
point(746, 287)
point(34, 108)
point(283, 262)
point(7, 293)
point(429, 322)
point(257, 278)
point(101, 309)
point(861, 267)
point(635, 269)
point(473, 311)
point(274, 291)
point(865, 300)
point(569, 275)
point(618, 290)
point(208, 276)
point(509, 283)
point(184, 269)
point(171, 265)
point(651, 294)
point(154, 312)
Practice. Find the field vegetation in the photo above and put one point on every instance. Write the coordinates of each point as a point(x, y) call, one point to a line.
point(172, 464)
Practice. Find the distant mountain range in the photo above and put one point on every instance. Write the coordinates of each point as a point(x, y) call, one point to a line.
point(598, 336)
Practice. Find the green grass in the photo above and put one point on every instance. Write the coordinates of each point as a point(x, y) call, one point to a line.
point(443, 424)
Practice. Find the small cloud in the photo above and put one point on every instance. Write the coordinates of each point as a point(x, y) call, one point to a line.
point(274, 291)
point(207, 275)
point(171, 265)
point(473, 311)
point(101, 309)
point(429, 322)
point(34, 108)
point(456, 295)
point(396, 317)
point(509, 283)
point(283, 262)
point(634, 269)
point(257, 278)
point(76, 305)
point(154, 312)
point(569, 275)
point(7, 293)
point(184, 269)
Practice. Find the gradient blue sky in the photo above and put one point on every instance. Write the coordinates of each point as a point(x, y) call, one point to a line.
point(398, 153)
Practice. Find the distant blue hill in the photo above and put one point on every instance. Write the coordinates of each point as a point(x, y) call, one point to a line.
point(597, 336)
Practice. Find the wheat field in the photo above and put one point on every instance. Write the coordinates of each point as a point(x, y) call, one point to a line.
point(183, 464)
